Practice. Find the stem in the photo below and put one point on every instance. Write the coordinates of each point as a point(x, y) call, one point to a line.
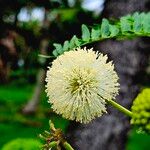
point(46, 56)
point(67, 146)
point(52, 144)
point(120, 108)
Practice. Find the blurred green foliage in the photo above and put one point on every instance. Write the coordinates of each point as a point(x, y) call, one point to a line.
point(23, 76)
point(13, 94)
point(32, 25)
point(64, 14)
point(22, 144)
point(13, 124)
point(138, 141)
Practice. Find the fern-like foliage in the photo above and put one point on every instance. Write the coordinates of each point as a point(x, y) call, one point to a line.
point(128, 26)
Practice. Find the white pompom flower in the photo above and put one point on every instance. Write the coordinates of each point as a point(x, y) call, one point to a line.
point(78, 84)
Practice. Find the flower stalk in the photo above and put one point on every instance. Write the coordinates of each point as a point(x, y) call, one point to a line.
point(120, 108)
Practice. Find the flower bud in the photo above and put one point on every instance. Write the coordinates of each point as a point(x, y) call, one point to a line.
point(141, 111)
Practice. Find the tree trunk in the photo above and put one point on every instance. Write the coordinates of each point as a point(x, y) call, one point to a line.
point(32, 104)
point(109, 132)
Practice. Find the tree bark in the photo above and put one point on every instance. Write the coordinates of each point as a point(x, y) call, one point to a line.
point(109, 132)
point(32, 104)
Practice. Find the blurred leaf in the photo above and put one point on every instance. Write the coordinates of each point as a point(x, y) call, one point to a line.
point(74, 42)
point(113, 30)
point(77, 41)
point(125, 23)
point(105, 28)
point(55, 53)
point(65, 14)
point(66, 46)
point(137, 24)
point(59, 48)
point(146, 23)
point(95, 34)
point(85, 33)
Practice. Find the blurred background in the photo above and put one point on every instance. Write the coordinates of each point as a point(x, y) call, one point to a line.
point(29, 28)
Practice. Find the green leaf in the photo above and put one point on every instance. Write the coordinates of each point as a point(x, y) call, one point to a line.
point(85, 33)
point(66, 46)
point(137, 24)
point(146, 23)
point(74, 42)
point(95, 33)
point(125, 24)
point(59, 48)
point(77, 41)
point(114, 30)
point(55, 53)
point(105, 28)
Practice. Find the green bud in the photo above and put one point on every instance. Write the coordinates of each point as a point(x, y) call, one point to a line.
point(141, 111)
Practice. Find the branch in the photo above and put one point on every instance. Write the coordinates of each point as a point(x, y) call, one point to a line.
point(130, 26)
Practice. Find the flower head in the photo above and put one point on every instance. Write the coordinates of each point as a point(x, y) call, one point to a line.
point(141, 111)
point(79, 82)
